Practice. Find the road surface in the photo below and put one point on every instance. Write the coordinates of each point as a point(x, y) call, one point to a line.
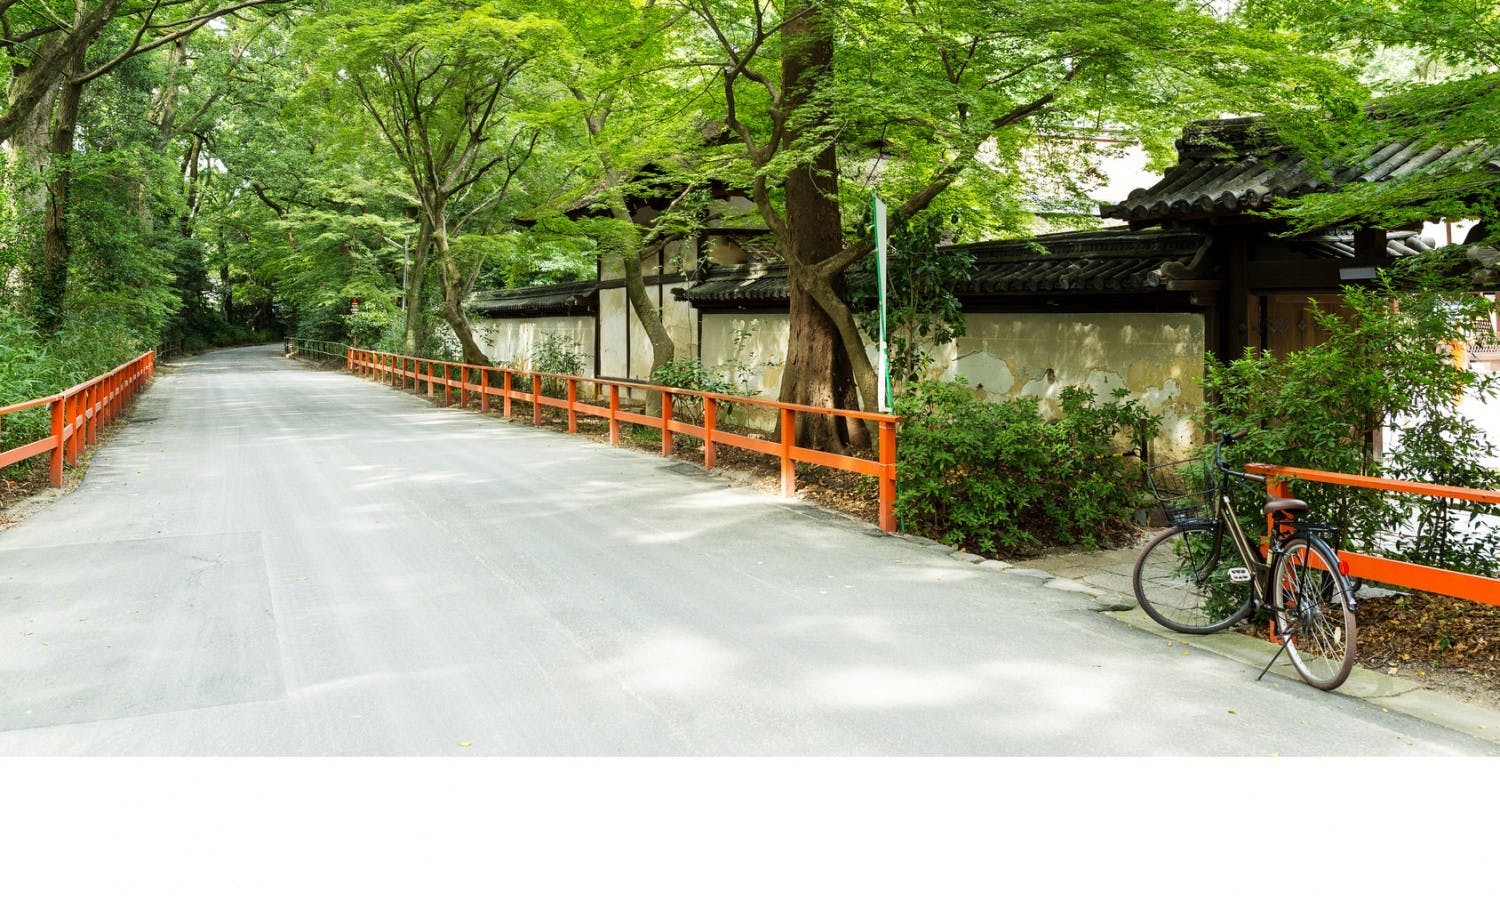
point(274, 560)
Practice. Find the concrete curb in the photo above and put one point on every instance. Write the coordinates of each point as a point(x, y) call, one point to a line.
point(1096, 576)
point(1385, 692)
point(1102, 579)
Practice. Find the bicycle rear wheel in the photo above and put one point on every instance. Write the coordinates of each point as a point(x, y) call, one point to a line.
point(1182, 580)
point(1314, 611)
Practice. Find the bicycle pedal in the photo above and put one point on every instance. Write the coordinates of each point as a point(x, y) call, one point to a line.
point(1239, 575)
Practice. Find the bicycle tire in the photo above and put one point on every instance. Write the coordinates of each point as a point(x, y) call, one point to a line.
point(1181, 580)
point(1314, 603)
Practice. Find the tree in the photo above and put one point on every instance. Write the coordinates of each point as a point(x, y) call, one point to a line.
point(915, 97)
point(438, 81)
point(612, 67)
point(1435, 70)
point(922, 309)
point(51, 62)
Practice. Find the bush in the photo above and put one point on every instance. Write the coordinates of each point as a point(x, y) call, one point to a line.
point(689, 374)
point(34, 365)
point(1000, 478)
point(558, 354)
point(1387, 363)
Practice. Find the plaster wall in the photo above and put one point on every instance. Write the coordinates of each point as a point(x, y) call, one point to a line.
point(509, 342)
point(1157, 357)
point(750, 349)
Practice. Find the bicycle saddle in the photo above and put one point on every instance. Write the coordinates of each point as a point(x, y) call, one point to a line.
point(1288, 505)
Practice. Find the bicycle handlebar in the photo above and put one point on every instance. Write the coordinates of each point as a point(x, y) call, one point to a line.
point(1228, 440)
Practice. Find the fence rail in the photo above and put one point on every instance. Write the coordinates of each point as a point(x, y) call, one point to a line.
point(78, 413)
point(330, 350)
point(484, 383)
point(1393, 571)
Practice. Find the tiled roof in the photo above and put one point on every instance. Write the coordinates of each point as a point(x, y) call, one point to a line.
point(574, 298)
point(1112, 260)
point(1232, 165)
point(1340, 244)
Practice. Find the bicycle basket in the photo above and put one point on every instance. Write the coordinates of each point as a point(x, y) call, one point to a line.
point(1185, 489)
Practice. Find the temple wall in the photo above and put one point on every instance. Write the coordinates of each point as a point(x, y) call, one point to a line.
point(1157, 357)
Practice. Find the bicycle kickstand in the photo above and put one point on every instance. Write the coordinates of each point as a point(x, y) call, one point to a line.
point(1280, 650)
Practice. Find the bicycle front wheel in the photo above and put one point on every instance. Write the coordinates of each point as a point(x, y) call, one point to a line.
point(1314, 611)
point(1182, 580)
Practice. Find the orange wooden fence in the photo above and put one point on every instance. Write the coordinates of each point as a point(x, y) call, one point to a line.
point(484, 383)
point(79, 412)
point(1391, 571)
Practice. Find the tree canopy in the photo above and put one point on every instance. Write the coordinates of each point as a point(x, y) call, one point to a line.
point(203, 171)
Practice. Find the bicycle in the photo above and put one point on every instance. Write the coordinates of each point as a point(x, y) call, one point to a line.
point(1186, 578)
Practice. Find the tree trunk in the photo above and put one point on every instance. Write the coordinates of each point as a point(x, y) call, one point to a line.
point(818, 371)
point(455, 287)
point(191, 165)
point(416, 271)
point(663, 349)
point(226, 287)
point(49, 292)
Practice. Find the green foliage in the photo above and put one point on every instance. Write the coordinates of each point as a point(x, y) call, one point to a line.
point(559, 354)
point(35, 365)
point(690, 374)
point(999, 478)
point(923, 312)
point(1432, 65)
point(1388, 363)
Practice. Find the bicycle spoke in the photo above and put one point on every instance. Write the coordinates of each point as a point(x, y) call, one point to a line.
point(1314, 598)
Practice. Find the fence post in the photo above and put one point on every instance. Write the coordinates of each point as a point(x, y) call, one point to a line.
point(888, 476)
point(447, 385)
point(91, 418)
point(463, 386)
point(572, 402)
point(667, 442)
point(788, 468)
point(70, 412)
point(506, 392)
point(429, 378)
point(710, 422)
point(536, 400)
point(350, 359)
point(484, 390)
point(56, 463)
point(1276, 490)
point(614, 414)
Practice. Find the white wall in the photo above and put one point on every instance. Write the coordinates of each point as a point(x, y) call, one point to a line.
point(509, 342)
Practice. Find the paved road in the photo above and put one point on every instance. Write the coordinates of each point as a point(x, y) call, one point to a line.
point(272, 560)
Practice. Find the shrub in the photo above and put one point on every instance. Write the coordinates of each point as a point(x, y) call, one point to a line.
point(1387, 363)
point(33, 365)
point(558, 354)
point(689, 374)
point(1000, 478)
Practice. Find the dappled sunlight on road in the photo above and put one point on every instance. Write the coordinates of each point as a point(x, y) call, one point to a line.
point(724, 499)
point(671, 662)
point(869, 628)
point(358, 572)
point(888, 687)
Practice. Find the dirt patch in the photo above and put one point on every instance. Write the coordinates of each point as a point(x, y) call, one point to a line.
point(1446, 644)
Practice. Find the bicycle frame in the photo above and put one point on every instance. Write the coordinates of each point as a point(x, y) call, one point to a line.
point(1260, 569)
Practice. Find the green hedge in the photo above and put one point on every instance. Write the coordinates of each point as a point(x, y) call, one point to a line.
point(1000, 478)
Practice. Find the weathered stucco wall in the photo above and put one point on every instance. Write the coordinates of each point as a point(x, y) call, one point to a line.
point(751, 350)
point(509, 342)
point(1158, 357)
